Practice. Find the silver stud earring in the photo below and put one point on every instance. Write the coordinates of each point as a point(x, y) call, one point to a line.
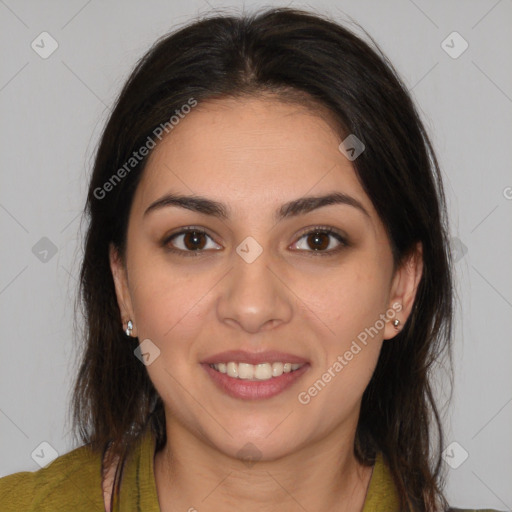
point(129, 328)
point(396, 323)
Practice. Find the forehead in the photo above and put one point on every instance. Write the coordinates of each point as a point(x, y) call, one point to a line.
point(247, 151)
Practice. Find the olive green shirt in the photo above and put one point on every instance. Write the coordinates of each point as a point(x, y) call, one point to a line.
point(72, 482)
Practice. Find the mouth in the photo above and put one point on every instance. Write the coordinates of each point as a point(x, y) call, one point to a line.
point(254, 376)
point(255, 372)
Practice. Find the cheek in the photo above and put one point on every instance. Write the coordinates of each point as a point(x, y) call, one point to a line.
point(171, 303)
point(347, 306)
point(347, 300)
point(171, 313)
point(166, 306)
point(348, 355)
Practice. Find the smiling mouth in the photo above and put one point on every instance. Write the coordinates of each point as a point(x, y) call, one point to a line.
point(255, 372)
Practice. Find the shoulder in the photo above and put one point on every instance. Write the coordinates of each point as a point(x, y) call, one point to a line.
point(383, 495)
point(71, 482)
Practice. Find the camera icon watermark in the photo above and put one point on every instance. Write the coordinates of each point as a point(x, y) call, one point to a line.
point(147, 352)
point(458, 249)
point(250, 454)
point(352, 147)
point(44, 250)
point(44, 454)
point(454, 45)
point(249, 249)
point(454, 455)
point(44, 45)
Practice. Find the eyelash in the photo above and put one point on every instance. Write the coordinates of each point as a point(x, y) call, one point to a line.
point(315, 230)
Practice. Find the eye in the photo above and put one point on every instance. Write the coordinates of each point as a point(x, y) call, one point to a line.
point(321, 241)
point(190, 240)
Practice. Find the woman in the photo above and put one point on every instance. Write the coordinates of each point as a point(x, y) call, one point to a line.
point(266, 283)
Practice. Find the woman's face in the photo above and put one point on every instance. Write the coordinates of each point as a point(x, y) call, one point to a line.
point(267, 277)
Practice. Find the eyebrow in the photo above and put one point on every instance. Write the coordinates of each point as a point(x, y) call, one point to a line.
point(220, 210)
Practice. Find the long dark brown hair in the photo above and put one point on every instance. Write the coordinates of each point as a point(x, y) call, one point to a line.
point(303, 57)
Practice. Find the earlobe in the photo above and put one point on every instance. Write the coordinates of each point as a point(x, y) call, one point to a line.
point(395, 320)
point(118, 270)
point(403, 291)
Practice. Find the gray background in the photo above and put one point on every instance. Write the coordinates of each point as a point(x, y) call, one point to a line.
point(52, 111)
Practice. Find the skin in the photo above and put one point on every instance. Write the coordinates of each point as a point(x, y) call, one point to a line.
point(254, 155)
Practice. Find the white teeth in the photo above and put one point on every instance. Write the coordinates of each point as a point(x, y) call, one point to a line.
point(245, 371)
point(262, 371)
point(277, 369)
point(232, 370)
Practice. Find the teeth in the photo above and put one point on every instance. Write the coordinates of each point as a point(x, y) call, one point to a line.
point(277, 369)
point(245, 371)
point(262, 371)
point(232, 370)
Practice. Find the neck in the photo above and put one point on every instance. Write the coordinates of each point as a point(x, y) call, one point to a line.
point(324, 476)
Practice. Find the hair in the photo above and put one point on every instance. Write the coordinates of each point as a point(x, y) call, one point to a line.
point(304, 58)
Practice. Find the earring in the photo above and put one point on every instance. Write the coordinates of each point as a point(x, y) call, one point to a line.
point(396, 323)
point(129, 328)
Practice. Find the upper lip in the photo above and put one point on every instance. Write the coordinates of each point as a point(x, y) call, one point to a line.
point(241, 356)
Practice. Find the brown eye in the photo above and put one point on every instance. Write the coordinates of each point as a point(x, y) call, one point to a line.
point(190, 241)
point(194, 240)
point(321, 241)
point(318, 241)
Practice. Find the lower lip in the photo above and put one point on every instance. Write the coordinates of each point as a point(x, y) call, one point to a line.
point(254, 389)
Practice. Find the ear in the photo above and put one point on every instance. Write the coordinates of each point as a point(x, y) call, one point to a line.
point(120, 276)
point(403, 290)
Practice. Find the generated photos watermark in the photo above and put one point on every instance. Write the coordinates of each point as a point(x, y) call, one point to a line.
point(334, 369)
point(137, 156)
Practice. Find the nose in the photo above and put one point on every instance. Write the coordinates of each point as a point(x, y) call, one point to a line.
point(254, 295)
